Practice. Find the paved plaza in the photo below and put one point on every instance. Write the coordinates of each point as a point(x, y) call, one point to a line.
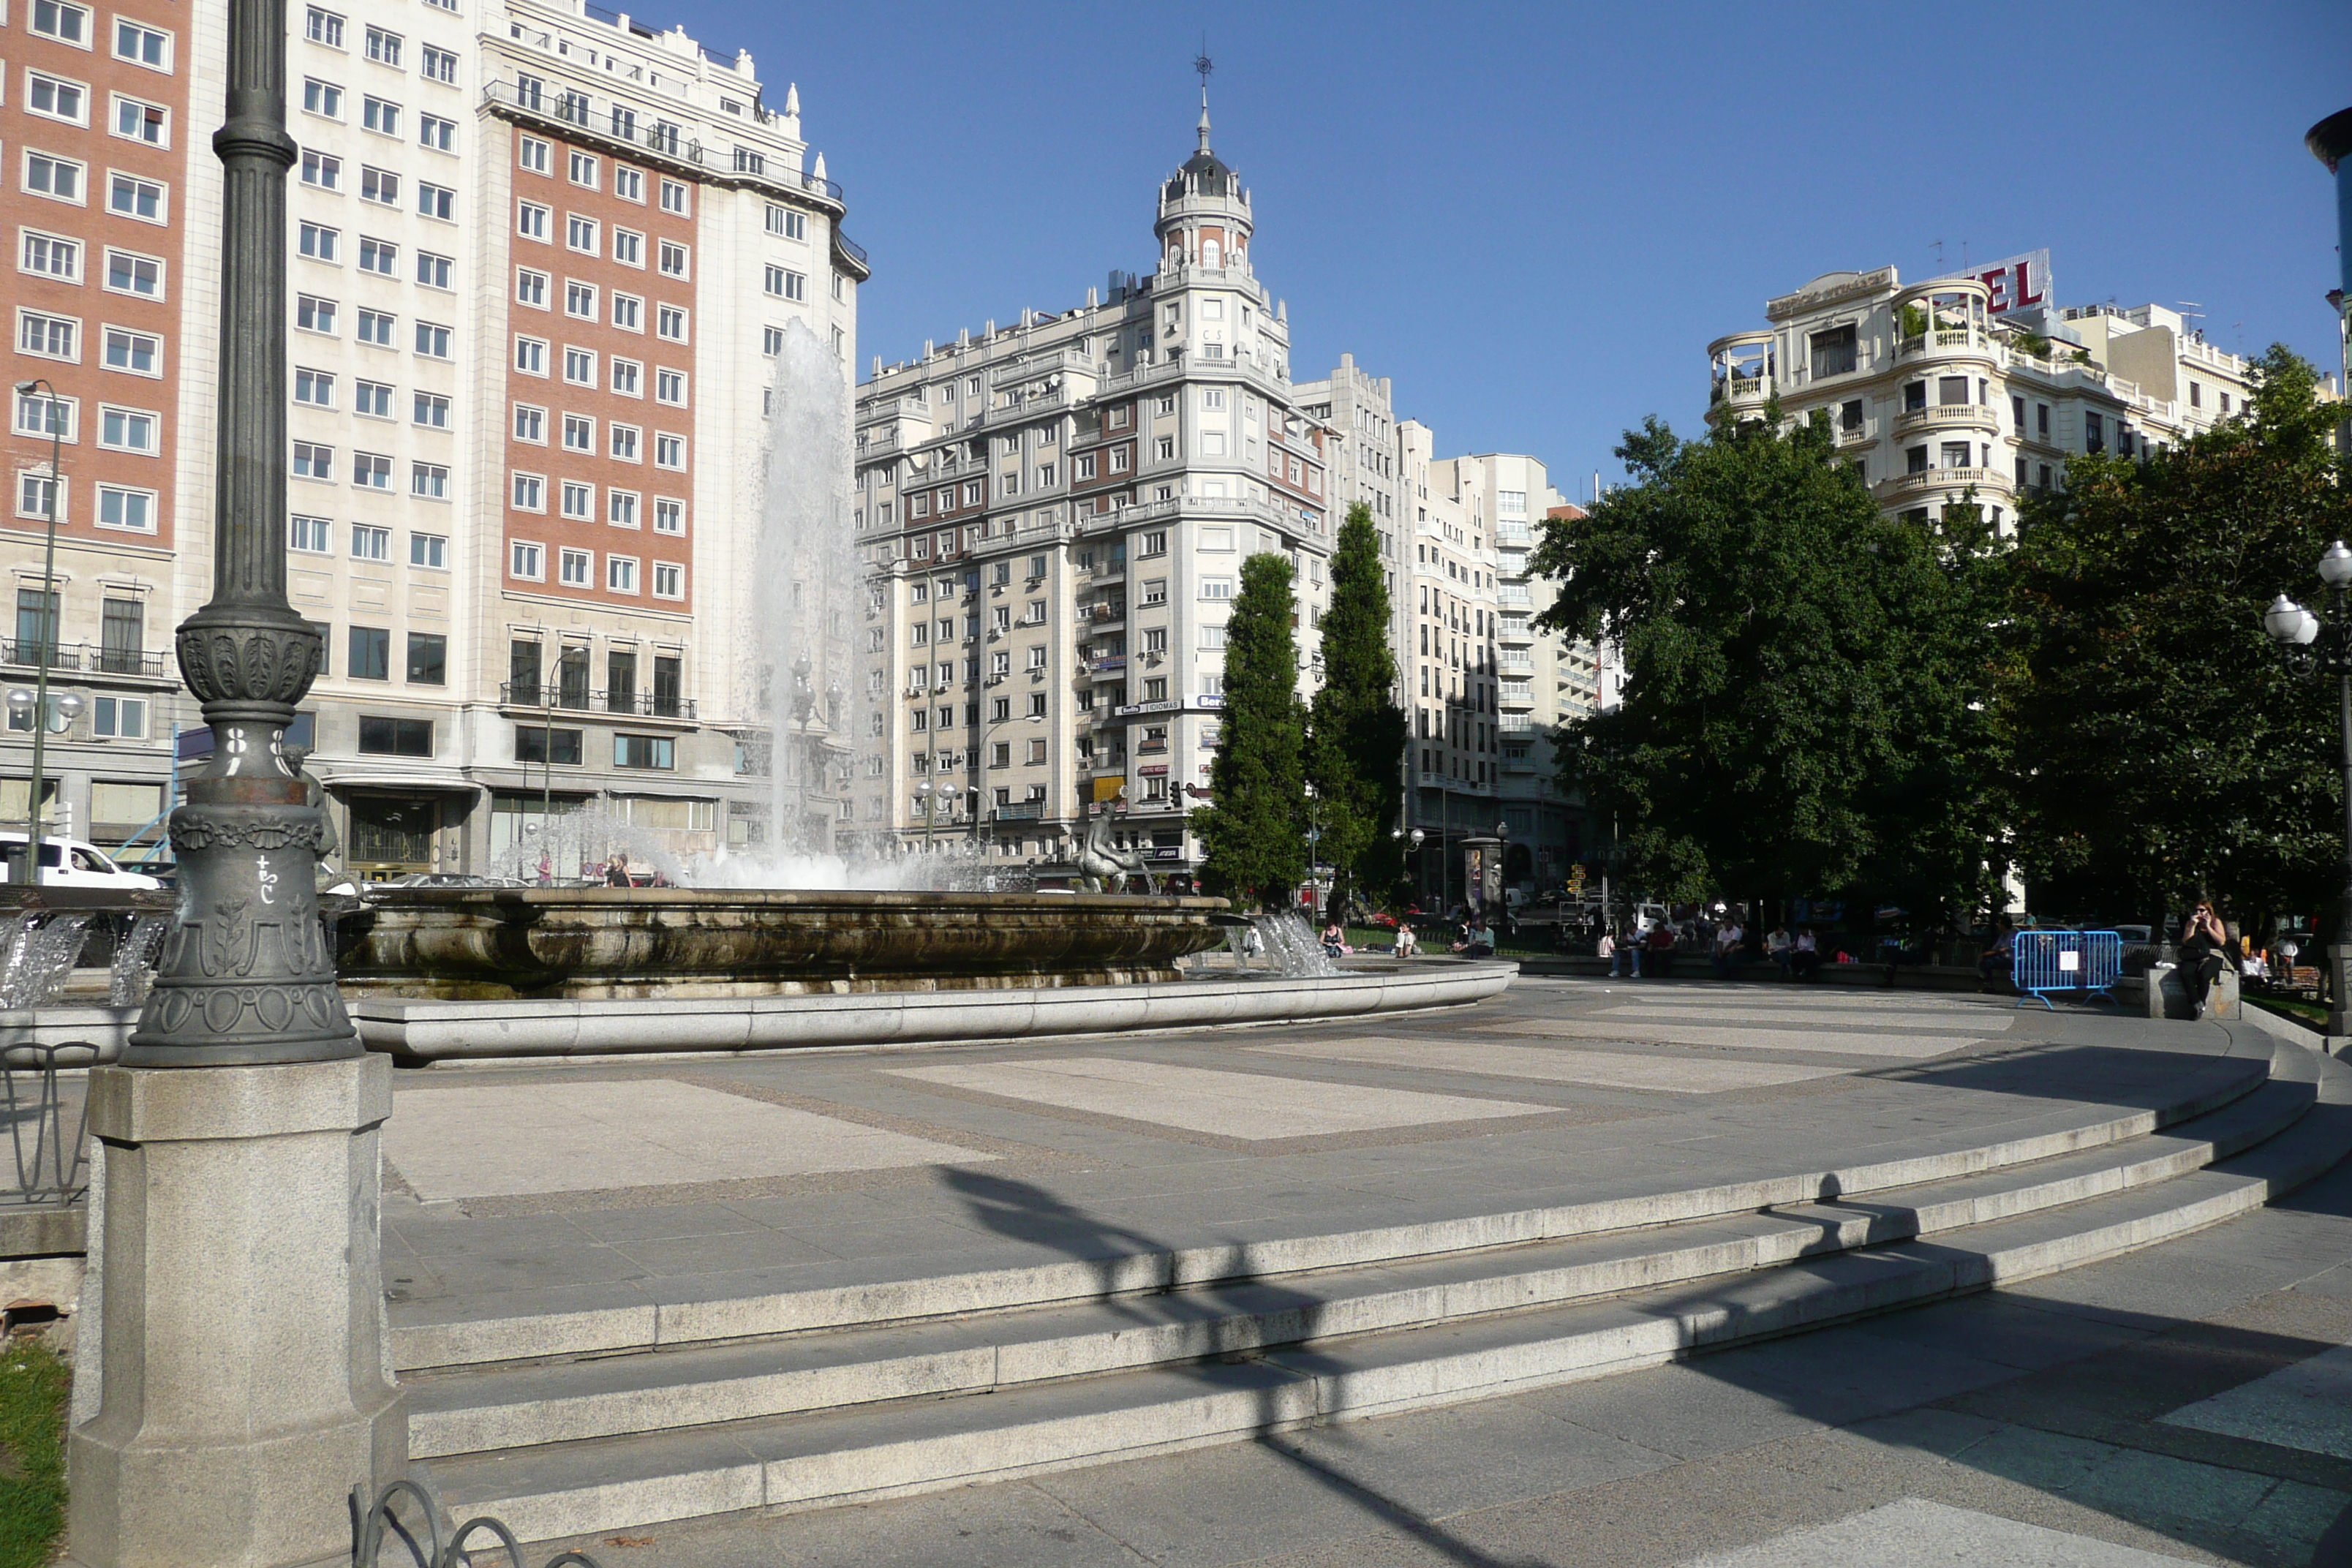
point(2182, 1403)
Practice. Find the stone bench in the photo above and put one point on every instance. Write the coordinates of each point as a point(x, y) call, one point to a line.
point(2167, 997)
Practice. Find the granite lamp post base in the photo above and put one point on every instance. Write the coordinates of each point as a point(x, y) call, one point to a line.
point(243, 1386)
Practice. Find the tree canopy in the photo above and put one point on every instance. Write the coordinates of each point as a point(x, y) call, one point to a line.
point(1357, 744)
point(1253, 832)
point(1805, 704)
point(2161, 749)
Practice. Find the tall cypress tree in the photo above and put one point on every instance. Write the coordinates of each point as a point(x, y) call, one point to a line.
point(1356, 748)
point(1254, 827)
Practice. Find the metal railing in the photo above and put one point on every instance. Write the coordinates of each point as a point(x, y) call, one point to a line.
point(32, 653)
point(618, 122)
point(373, 1524)
point(545, 696)
point(48, 1131)
point(25, 652)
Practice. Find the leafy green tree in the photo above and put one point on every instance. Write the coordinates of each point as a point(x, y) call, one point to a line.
point(1802, 711)
point(1254, 828)
point(1355, 749)
point(2162, 750)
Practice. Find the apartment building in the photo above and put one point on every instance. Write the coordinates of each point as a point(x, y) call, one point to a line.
point(1367, 456)
point(1974, 386)
point(541, 264)
point(1055, 513)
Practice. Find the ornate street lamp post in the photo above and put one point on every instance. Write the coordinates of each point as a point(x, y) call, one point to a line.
point(2317, 648)
point(238, 1385)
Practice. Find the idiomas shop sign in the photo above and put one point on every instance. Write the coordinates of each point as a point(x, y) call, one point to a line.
point(2017, 282)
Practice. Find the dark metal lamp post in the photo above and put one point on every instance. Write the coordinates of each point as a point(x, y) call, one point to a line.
point(45, 646)
point(2317, 648)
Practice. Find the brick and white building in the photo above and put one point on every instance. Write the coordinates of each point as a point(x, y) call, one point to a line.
point(540, 261)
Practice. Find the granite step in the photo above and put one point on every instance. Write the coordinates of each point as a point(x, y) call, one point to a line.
point(823, 1458)
point(478, 1410)
point(592, 1320)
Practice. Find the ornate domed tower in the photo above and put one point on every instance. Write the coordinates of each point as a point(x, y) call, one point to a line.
point(1205, 213)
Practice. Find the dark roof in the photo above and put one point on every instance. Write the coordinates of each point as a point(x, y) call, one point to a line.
point(1215, 179)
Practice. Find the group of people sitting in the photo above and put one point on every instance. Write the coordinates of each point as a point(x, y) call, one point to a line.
point(1477, 939)
point(1648, 949)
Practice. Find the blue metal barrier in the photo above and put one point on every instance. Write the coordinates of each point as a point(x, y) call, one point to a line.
point(2077, 964)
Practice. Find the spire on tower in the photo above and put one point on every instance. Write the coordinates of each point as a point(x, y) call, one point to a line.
point(1203, 64)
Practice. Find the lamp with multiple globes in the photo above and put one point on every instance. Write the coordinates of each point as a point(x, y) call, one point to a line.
point(2313, 646)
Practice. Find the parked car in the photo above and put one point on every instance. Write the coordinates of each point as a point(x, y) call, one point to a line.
point(71, 863)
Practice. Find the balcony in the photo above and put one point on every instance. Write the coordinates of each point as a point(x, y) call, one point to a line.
point(1516, 664)
point(1517, 694)
point(1989, 479)
point(544, 697)
point(1509, 534)
point(1949, 417)
point(1946, 340)
point(1021, 811)
point(26, 652)
point(1515, 629)
point(618, 125)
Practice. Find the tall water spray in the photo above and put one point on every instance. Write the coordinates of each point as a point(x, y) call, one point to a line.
point(804, 609)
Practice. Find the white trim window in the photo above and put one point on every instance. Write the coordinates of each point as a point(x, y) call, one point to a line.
point(620, 573)
point(370, 541)
point(578, 500)
point(381, 257)
point(40, 415)
point(622, 447)
point(669, 451)
point(626, 374)
point(314, 314)
point(430, 410)
point(378, 328)
point(136, 119)
point(438, 202)
point(430, 550)
point(576, 568)
point(530, 424)
point(527, 559)
point(381, 186)
point(311, 535)
point(126, 508)
point(57, 97)
point(322, 171)
point(669, 386)
point(132, 352)
point(621, 508)
point(60, 21)
point(579, 433)
point(370, 471)
point(324, 99)
point(531, 288)
point(628, 312)
point(435, 271)
point(669, 580)
point(670, 515)
point(579, 365)
point(145, 200)
point(531, 219)
point(579, 233)
point(380, 116)
point(314, 461)
point(49, 256)
point(60, 179)
point(677, 261)
point(36, 489)
point(628, 246)
point(143, 45)
point(527, 492)
point(429, 481)
point(530, 356)
point(48, 337)
point(130, 430)
point(670, 322)
point(320, 243)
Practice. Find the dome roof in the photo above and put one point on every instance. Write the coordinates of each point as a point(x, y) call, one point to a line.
point(1209, 171)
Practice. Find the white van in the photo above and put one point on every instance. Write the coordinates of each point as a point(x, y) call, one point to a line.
point(72, 863)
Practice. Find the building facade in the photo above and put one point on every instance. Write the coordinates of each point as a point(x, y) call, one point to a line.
point(1973, 387)
point(540, 267)
point(1054, 514)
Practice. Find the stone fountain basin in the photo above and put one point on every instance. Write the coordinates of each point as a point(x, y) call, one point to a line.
point(501, 943)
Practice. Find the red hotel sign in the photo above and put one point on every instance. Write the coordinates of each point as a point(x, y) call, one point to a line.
point(2017, 283)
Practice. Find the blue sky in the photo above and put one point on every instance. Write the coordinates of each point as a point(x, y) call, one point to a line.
point(1534, 217)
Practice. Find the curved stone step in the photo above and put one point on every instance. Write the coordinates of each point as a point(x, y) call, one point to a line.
point(873, 1295)
point(518, 1406)
point(924, 1443)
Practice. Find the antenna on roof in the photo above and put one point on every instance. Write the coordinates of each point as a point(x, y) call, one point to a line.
point(1939, 250)
point(1201, 63)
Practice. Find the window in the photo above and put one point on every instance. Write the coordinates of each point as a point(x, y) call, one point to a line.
point(313, 314)
point(1216, 587)
point(379, 117)
point(671, 324)
point(628, 248)
point(624, 444)
point(2094, 433)
point(530, 356)
point(395, 737)
point(438, 134)
point(35, 492)
point(437, 64)
point(379, 185)
point(529, 493)
point(531, 288)
point(527, 561)
point(370, 649)
point(376, 328)
point(429, 480)
point(579, 367)
point(644, 752)
point(1951, 391)
point(1119, 457)
point(673, 198)
point(139, 121)
point(530, 220)
point(669, 451)
point(535, 743)
point(2042, 420)
point(127, 429)
point(324, 99)
point(669, 516)
point(582, 166)
point(433, 271)
point(574, 566)
point(529, 424)
point(1152, 543)
point(621, 508)
point(785, 222)
point(50, 256)
point(313, 461)
point(626, 373)
point(436, 202)
point(127, 195)
point(371, 470)
point(580, 299)
point(371, 398)
point(674, 260)
point(771, 341)
point(315, 387)
point(123, 508)
point(140, 353)
point(629, 184)
point(579, 433)
point(384, 48)
point(532, 153)
point(578, 500)
point(579, 233)
point(628, 312)
point(428, 659)
point(621, 573)
point(55, 98)
point(320, 243)
point(57, 178)
point(669, 386)
point(369, 542)
point(669, 580)
point(66, 24)
point(322, 170)
point(311, 535)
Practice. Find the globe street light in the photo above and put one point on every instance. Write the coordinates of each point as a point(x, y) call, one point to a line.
point(2314, 647)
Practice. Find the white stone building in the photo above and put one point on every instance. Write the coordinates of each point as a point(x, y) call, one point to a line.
point(1973, 386)
point(1056, 512)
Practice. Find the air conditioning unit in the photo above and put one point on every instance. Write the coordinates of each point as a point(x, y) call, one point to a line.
point(918, 690)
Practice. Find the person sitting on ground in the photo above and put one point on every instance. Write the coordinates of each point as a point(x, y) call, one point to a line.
point(2206, 950)
point(1804, 956)
point(1334, 940)
point(1477, 939)
point(1406, 946)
